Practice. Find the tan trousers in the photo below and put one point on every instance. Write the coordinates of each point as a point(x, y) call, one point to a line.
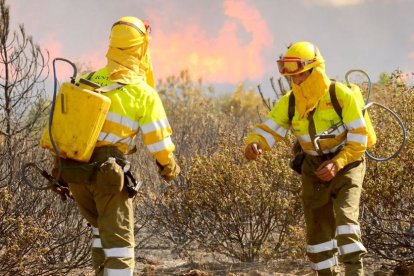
point(105, 204)
point(331, 214)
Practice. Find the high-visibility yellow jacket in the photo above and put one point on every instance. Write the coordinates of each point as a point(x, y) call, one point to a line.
point(350, 138)
point(135, 107)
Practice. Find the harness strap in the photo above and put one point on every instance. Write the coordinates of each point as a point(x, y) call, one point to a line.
point(105, 88)
point(334, 99)
point(291, 108)
point(109, 87)
point(312, 129)
point(90, 75)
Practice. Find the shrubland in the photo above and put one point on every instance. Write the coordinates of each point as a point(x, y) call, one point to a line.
point(237, 210)
point(241, 211)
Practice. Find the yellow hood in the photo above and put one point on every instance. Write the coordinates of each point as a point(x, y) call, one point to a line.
point(129, 66)
point(309, 92)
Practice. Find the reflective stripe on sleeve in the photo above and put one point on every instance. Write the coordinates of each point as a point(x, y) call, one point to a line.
point(275, 127)
point(304, 138)
point(112, 138)
point(118, 272)
point(159, 146)
point(358, 138)
point(267, 136)
point(348, 229)
point(119, 252)
point(329, 245)
point(150, 127)
point(121, 120)
point(355, 124)
point(352, 247)
point(325, 264)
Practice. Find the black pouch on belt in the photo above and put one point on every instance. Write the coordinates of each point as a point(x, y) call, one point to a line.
point(131, 184)
point(299, 156)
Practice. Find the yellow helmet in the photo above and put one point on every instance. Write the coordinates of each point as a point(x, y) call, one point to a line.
point(299, 57)
point(128, 31)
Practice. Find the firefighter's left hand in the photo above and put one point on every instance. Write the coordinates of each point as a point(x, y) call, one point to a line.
point(169, 171)
point(327, 170)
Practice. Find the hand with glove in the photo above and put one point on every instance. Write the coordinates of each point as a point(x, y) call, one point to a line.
point(170, 170)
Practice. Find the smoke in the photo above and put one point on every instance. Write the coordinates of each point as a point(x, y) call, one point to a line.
point(232, 53)
point(337, 3)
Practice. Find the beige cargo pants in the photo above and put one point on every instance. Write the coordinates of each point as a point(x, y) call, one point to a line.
point(331, 214)
point(105, 204)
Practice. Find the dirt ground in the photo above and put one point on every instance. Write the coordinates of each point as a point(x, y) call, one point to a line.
point(164, 262)
point(157, 263)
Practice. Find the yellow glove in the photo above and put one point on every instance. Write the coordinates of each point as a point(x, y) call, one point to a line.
point(169, 171)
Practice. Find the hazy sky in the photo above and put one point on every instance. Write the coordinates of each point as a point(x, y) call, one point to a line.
point(228, 42)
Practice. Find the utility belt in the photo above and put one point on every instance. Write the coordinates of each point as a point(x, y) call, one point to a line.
point(327, 156)
point(319, 159)
point(299, 157)
point(84, 173)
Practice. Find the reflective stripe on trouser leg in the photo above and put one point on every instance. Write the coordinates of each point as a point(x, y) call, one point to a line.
point(98, 255)
point(352, 233)
point(351, 253)
point(326, 247)
point(118, 272)
point(125, 253)
point(326, 264)
point(316, 248)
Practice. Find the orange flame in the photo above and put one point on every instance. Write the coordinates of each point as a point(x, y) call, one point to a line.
point(222, 58)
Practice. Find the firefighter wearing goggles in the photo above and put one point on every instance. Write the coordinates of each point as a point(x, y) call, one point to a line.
point(105, 201)
point(332, 171)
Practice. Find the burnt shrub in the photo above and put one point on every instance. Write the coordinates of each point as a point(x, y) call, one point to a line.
point(387, 201)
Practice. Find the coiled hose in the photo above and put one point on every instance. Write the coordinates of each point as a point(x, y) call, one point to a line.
point(53, 180)
point(369, 104)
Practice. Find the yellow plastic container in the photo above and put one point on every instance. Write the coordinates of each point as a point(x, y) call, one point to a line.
point(77, 121)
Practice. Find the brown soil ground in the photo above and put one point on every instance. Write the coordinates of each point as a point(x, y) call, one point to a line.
point(163, 262)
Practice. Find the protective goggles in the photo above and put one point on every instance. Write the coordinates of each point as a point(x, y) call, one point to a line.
point(292, 65)
point(146, 24)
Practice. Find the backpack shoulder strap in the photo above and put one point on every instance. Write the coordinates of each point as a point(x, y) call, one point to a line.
point(291, 107)
point(334, 99)
point(90, 75)
point(104, 89)
point(109, 87)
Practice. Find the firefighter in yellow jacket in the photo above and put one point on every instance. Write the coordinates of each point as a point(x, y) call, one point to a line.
point(333, 168)
point(135, 106)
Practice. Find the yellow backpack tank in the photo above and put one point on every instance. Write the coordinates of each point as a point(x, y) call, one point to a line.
point(78, 117)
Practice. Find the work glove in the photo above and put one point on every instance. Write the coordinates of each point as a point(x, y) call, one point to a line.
point(169, 171)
